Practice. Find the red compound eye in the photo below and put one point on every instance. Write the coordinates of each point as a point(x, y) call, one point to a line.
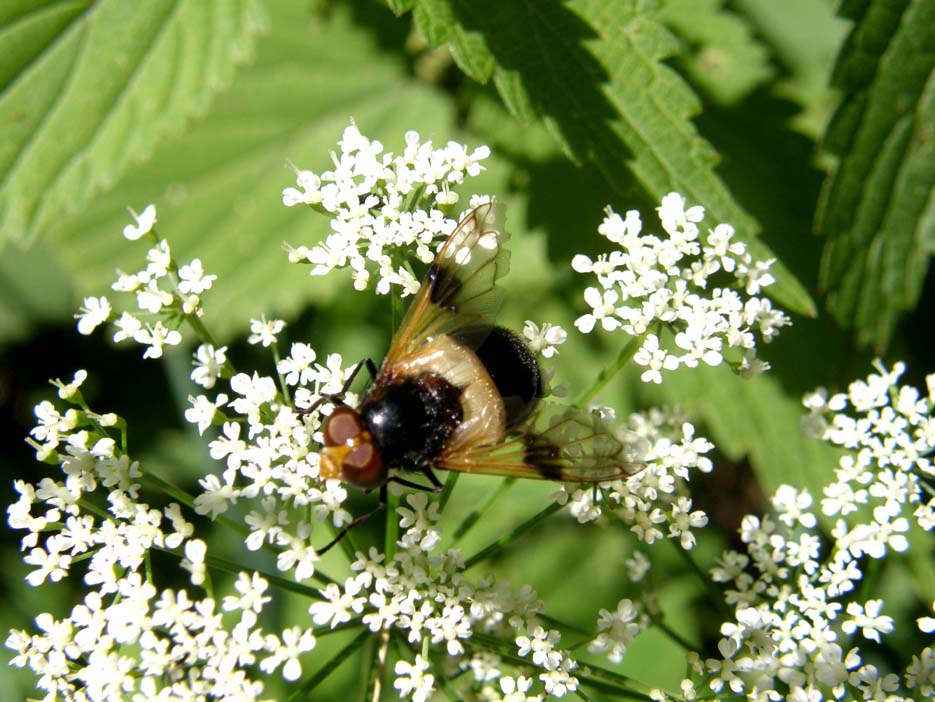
point(363, 466)
point(341, 427)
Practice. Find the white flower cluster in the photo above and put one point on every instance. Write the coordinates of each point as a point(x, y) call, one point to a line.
point(889, 432)
point(383, 206)
point(796, 609)
point(655, 502)
point(654, 282)
point(426, 597)
point(165, 293)
point(269, 452)
point(127, 639)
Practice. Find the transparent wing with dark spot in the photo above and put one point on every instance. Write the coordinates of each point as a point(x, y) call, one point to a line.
point(563, 443)
point(460, 289)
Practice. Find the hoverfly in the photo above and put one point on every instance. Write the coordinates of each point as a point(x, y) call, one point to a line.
point(456, 392)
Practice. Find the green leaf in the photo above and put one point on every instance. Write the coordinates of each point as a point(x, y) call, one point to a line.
point(721, 54)
point(594, 72)
point(33, 289)
point(91, 88)
point(877, 209)
point(756, 420)
point(804, 36)
point(218, 188)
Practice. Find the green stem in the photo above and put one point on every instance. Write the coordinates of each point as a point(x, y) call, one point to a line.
point(559, 624)
point(677, 638)
point(512, 536)
point(868, 584)
point(450, 483)
point(287, 398)
point(473, 517)
point(329, 667)
point(606, 375)
point(714, 594)
point(377, 667)
point(391, 535)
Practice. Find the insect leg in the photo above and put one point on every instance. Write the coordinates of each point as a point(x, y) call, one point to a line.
point(436, 483)
point(356, 523)
point(338, 397)
point(408, 483)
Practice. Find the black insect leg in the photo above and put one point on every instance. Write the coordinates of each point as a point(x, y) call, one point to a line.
point(357, 522)
point(338, 397)
point(436, 483)
point(436, 486)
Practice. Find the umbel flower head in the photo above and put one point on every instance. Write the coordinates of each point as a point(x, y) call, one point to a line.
point(669, 281)
point(369, 196)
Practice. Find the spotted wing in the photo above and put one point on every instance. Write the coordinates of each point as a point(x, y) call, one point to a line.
point(459, 291)
point(569, 445)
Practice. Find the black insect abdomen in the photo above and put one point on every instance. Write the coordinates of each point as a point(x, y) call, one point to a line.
point(411, 421)
point(514, 370)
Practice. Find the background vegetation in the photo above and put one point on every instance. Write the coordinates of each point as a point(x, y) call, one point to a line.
point(807, 126)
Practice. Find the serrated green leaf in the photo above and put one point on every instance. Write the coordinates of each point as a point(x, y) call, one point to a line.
point(593, 71)
point(878, 207)
point(721, 54)
point(97, 87)
point(218, 187)
point(804, 36)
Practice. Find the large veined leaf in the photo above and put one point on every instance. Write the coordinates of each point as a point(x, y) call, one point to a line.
point(878, 209)
point(593, 71)
point(218, 186)
point(89, 88)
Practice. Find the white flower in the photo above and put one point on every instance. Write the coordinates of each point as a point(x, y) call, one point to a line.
point(208, 362)
point(155, 336)
point(927, 624)
point(338, 606)
point(95, 312)
point(144, 223)
point(544, 340)
point(192, 278)
point(251, 589)
point(194, 561)
point(650, 354)
point(66, 391)
point(617, 629)
point(414, 679)
point(793, 505)
point(127, 327)
point(203, 410)
point(868, 619)
point(264, 332)
point(603, 307)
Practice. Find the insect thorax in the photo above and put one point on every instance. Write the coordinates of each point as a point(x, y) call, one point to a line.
point(412, 420)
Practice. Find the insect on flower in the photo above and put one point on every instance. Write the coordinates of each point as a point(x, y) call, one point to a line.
point(456, 392)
